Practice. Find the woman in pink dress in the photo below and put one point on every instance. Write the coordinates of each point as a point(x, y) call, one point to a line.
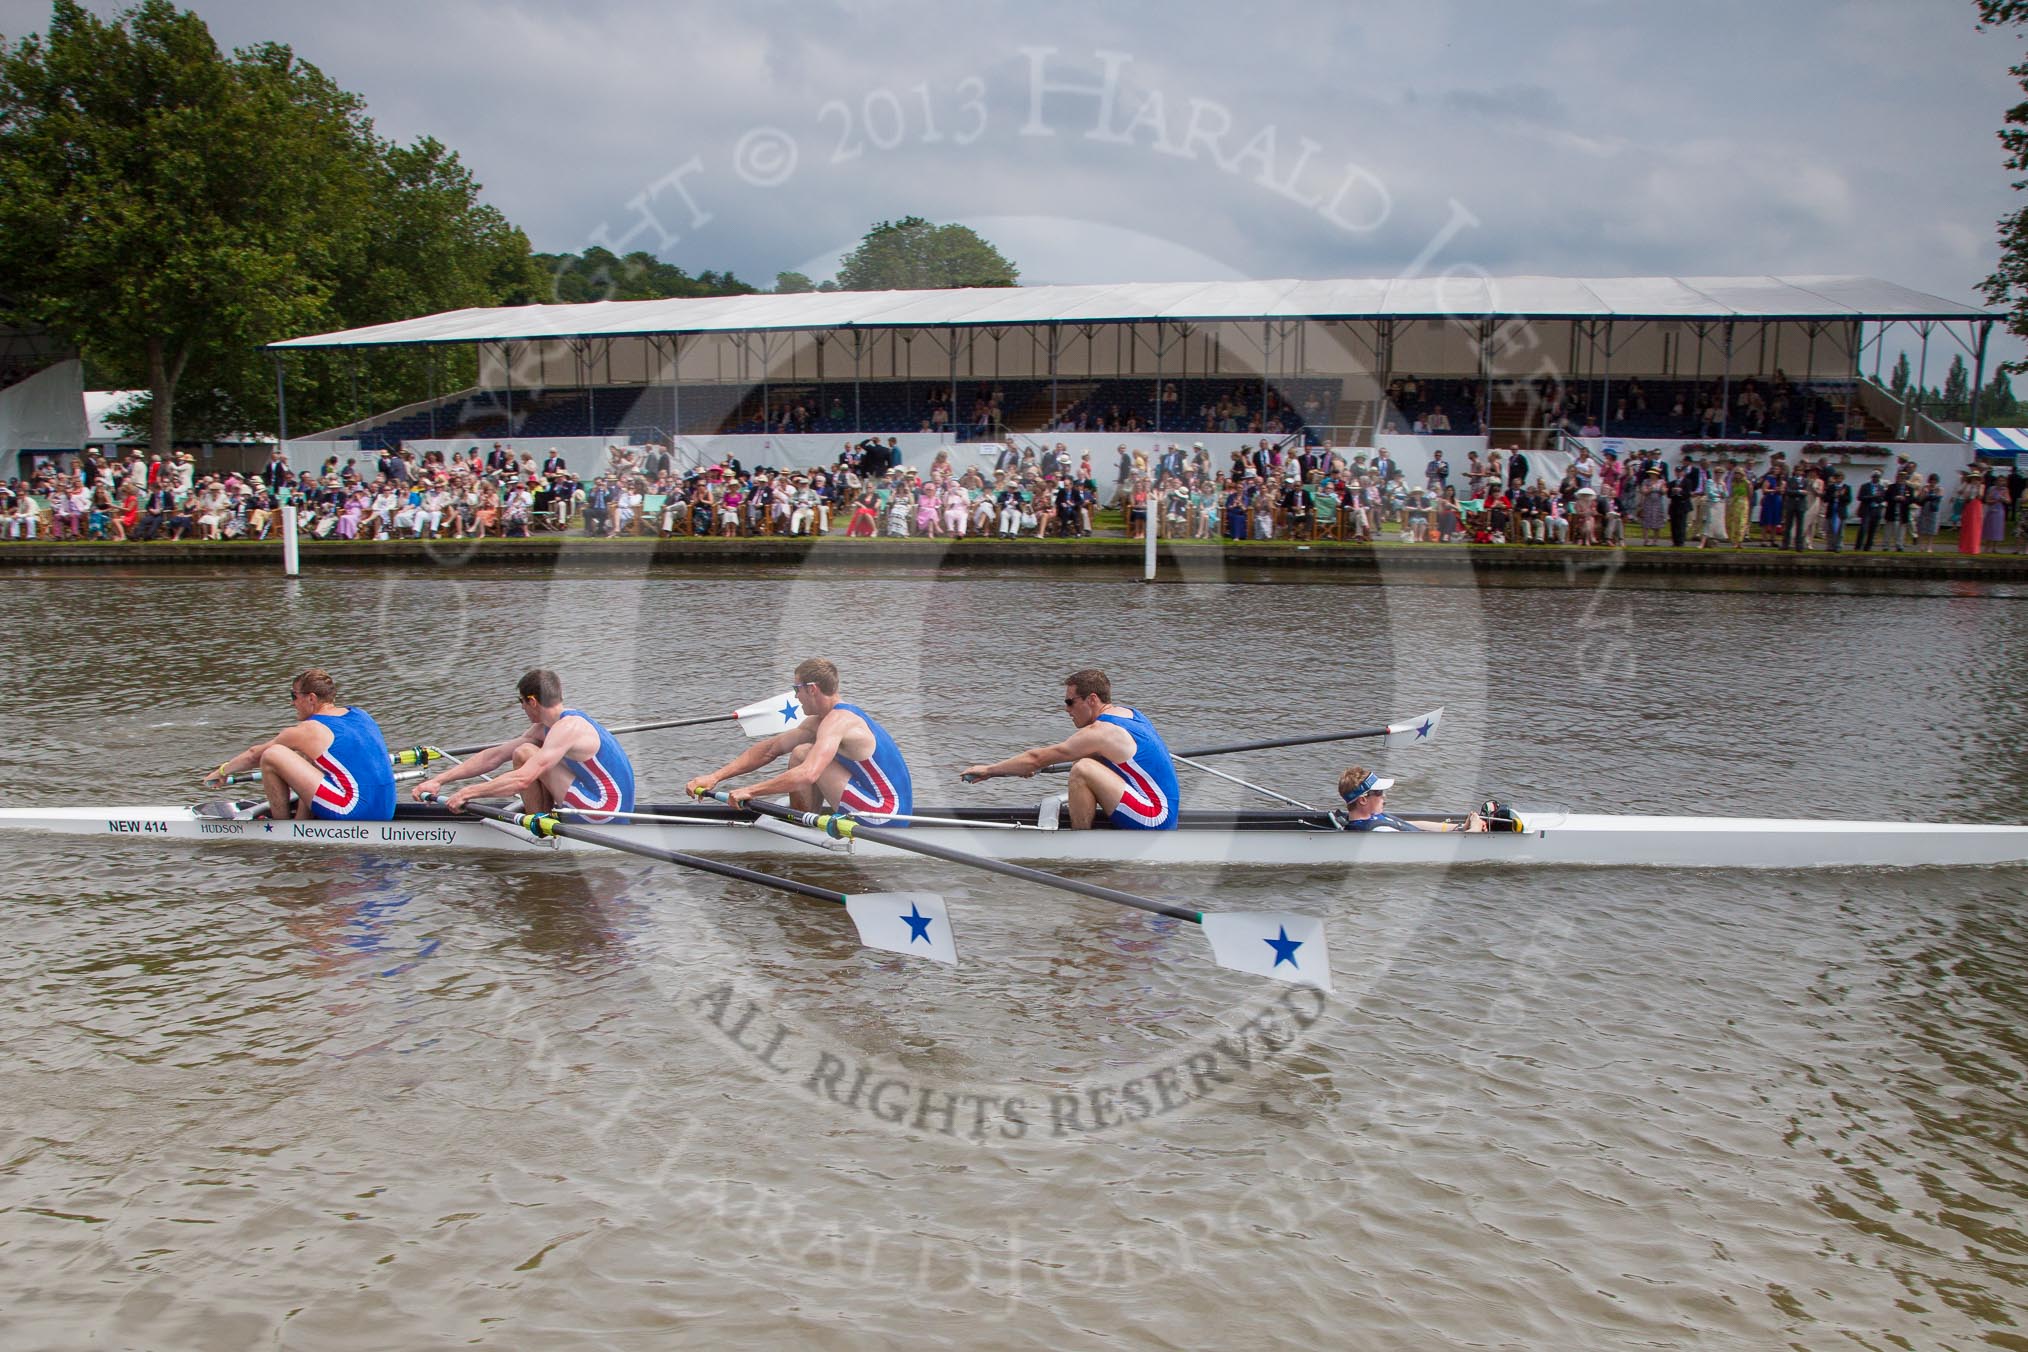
point(348, 520)
point(1972, 525)
point(926, 510)
point(862, 516)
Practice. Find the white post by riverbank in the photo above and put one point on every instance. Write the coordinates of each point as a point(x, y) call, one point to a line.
point(292, 563)
point(1148, 555)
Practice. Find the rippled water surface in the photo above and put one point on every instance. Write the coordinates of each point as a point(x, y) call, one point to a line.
point(313, 1100)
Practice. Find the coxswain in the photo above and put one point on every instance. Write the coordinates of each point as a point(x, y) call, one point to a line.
point(1119, 764)
point(564, 760)
point(839, 758)
point(332, 759)
point(1365, 795)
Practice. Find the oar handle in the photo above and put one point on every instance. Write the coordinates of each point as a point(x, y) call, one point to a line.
point(544, 825)
point(846, 828)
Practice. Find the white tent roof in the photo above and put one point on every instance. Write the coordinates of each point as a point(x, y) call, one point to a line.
point(100, 405)
point(1752, 298)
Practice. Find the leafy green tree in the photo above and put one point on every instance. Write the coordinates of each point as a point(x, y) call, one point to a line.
point(600, 274)
point(169, 208)
point(912, 254)
point(792, 283)
point(2007, 287)
point(1997, 405)
point(1957, 389)
point(1897, 379)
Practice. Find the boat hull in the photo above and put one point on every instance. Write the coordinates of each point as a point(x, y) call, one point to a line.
point(1212, 839)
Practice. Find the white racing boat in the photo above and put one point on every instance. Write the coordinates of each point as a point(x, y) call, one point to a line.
point(1242, 838)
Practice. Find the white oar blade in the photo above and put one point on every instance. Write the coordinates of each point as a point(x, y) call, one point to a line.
point(914, 924)
point(765, 718)
point(1414, 732)
point(1268, 943)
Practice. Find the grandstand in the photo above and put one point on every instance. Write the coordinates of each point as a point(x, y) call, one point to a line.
point(1513, 361)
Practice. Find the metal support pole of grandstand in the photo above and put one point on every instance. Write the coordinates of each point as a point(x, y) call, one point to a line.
point(507, 366)
point(281, 404)
point(1725, 387)
point(676, 386)
point(951, 418)
point(1054, 330)
point(1978, 385)
point(1921, 370)
point(1158, 375)
point(1266, 336)
point(430, 355)
point(1605, 398)
point(858, 352)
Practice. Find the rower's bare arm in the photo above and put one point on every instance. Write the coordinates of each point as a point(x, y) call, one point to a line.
point(240, 764)
point(763, 752)
point(824, 739)
point(471, 768)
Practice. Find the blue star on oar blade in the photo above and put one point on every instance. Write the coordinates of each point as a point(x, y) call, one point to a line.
point(790, 713)
point(918, 924)
point(1422, 729)
point(1284, 947)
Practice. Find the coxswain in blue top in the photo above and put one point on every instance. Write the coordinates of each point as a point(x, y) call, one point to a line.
point(840, 758)
point(1118, 762)
point(331, 763)
point(564, 761)
point(1365, 794)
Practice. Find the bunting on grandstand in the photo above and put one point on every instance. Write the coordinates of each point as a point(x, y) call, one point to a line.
point(1357, 298)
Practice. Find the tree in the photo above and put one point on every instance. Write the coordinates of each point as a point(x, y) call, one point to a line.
point(912, 254)
point(792, 283)
point(1997, 405)
point(2007, 287)
point(168, 209)
point(1957, 388)
point(599, 274)
point(1897, 380)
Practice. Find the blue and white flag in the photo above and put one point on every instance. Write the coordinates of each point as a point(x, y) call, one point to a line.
point(1266, 943)
point(913, 923)
point(765, 718)
point(1413, 732)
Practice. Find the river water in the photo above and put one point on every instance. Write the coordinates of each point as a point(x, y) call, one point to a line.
point(323, 1100)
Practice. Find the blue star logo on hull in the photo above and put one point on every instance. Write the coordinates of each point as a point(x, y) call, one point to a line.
point(918, 923)
point(1285, 948)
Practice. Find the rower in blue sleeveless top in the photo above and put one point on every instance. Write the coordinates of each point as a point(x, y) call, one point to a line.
point(333, 761)
point(565, 761)
point(1118, 762)
point(840, 758)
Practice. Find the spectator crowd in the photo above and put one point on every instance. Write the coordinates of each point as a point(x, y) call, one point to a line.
point(1725, 496)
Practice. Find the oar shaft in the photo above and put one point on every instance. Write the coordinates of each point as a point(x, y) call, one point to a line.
point(617, 732)
point(905, 840)
point(590, 836)
point(1258, 746)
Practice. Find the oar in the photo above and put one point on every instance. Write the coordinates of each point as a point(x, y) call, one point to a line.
point(914, 924)
point(1240, 940)
point(1408, 732)
point(762, 718)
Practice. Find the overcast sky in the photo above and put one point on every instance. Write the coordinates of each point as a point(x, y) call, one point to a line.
point(1303, 140)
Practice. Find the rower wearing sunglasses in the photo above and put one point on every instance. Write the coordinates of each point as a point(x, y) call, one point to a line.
point(332, 759)
point(1365, 795)
point(1118, 762)
point(840, 759)
point(564, 759)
